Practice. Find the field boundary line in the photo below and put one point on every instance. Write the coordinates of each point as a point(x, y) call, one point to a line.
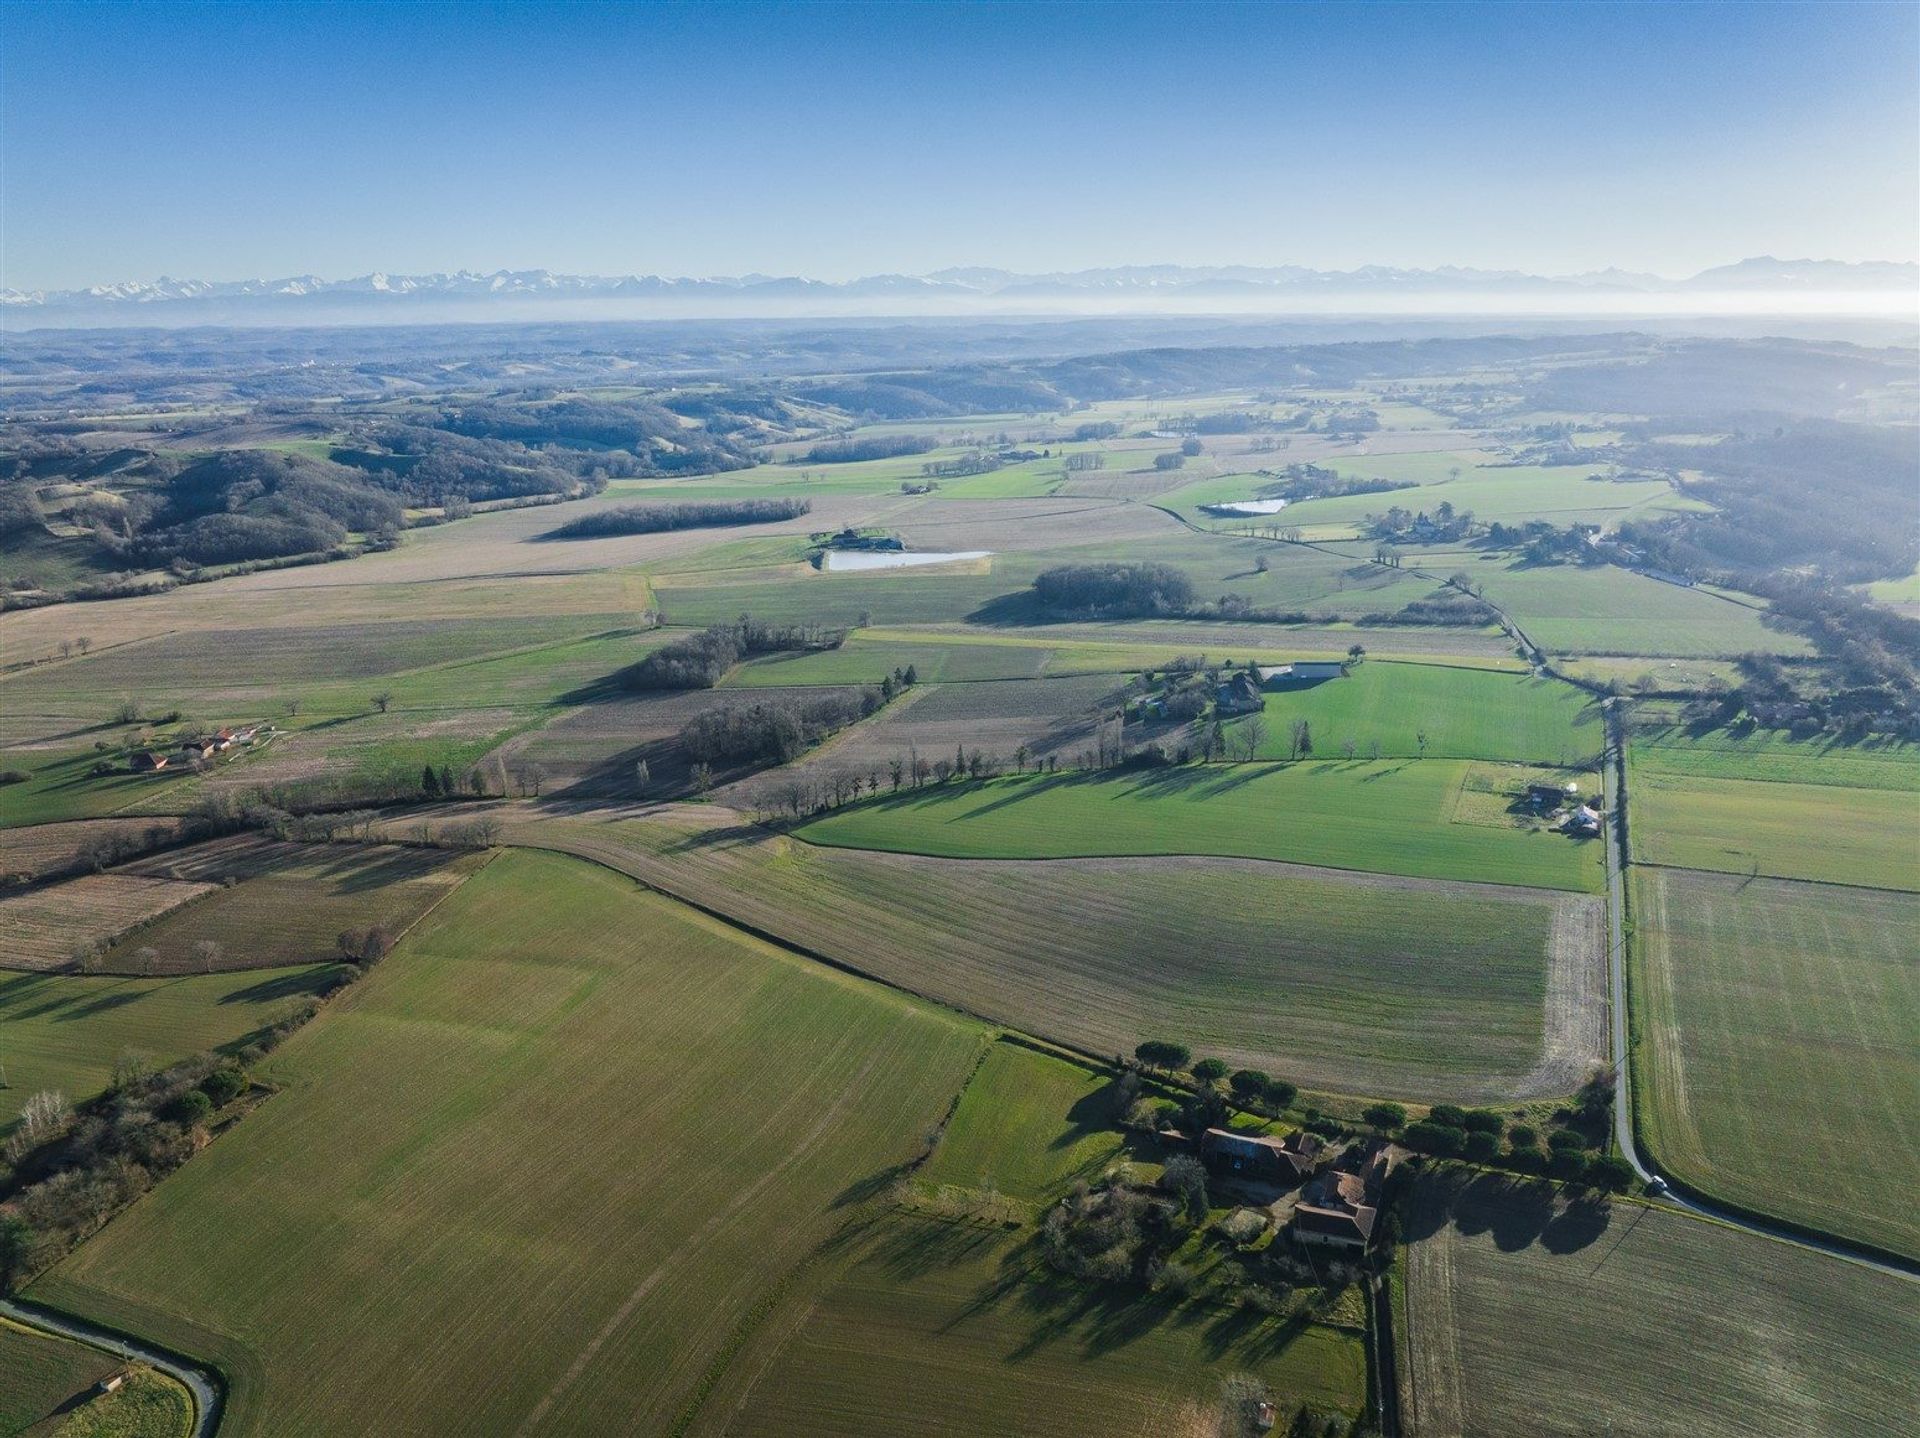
point(1185, 854)
point(1768, 878)
point(802, 951)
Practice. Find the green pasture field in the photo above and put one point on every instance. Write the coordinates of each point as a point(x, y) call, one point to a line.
point(1464, 714)
point(1297, 580)
point(39, 1373)
point(1659, 673)
point(1129, 649)
point(863, 660)
point(1568, 609)
point(1779, 1027)
point(1528, 1319)
point(888, 596)
point(292, 900)
point(448, 713)
point(1382, 817)
point(1507, 493)
point(1340, 982)
point(1824, 832)
point(1774, 754)
point(148, 1405)
point(933, 1329)
point(255, 660)
point(64, 1031)
point(50, 561)
point(1903, 592)
point(1028, 1126)
point(573, 1131)
point(60, 786)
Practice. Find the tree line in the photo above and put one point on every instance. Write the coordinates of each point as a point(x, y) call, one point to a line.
point(700, 660)
point(703, 514)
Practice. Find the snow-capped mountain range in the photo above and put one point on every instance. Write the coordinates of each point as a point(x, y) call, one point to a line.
point(976, 289)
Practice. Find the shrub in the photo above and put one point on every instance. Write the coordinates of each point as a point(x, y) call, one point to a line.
point(1452, 1115)
point(1185, 1177)
point(1566, 1140)
point(1610, 1172)
point(223, 1085)
point(1243, 1225)
point(1483, 1120)
point(1436, 1138)
point(189, 1108)
point(1522, 1136)
point(1568, 1164)
point(14, 776)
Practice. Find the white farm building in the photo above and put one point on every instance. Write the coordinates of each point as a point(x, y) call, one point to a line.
point(1301, 671)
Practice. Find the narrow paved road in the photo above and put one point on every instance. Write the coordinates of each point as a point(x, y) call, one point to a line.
point(1622, 1089)
point(205, 1391)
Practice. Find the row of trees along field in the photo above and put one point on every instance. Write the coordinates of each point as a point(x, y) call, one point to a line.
point(700, 660)
point(688, 514)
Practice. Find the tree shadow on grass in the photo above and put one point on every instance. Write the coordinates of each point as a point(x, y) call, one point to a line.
point(1579, 1224)
point(106, 1003)
point(294, 985)
point(1092, 1113)
point(906, 1251)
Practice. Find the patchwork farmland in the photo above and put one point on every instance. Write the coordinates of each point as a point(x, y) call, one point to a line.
point(545, 1001)
point(1443, 991)
point(1061, 1045)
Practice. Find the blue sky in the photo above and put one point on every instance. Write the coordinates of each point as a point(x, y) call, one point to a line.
point(231, 141)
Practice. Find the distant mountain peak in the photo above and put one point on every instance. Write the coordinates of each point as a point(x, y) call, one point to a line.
point(383, 294)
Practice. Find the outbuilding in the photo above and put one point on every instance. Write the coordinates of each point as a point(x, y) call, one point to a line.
point(1258, 1156)
point(1300, 671)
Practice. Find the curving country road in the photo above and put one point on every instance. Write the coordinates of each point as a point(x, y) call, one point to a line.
point(1616, 779)
point(203, 1386)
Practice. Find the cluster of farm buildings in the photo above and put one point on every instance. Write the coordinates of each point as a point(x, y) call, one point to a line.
point(1580, 818)
point(200, 749)
point(1339, 1204)
point(1242, 693)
